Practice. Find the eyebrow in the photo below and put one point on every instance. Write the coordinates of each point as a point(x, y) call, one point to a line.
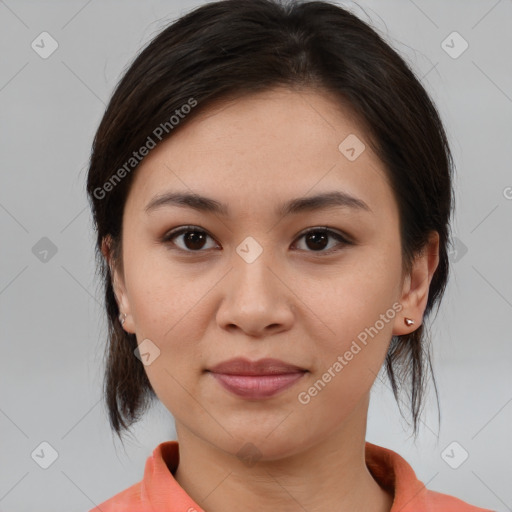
point(294, 206)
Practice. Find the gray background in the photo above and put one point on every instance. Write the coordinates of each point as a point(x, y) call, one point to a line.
point(52, 326)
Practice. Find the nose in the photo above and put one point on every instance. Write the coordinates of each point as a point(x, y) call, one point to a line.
point(256, 298)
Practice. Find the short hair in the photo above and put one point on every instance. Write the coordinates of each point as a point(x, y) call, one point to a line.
point(232, 48)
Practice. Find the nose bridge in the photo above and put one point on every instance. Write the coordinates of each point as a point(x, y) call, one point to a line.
point(255, 300)
point(252, 262)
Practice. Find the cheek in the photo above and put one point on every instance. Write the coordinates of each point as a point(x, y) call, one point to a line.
point(170, 307)
point(161, 295)
point(353, 295)
point(167, 309)
point(357, 307)
point(348, 360)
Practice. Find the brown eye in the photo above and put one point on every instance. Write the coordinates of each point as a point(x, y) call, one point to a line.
point(316, 240)
point(192, 239)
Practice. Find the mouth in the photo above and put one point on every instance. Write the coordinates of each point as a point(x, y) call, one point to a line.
point(267, 366)
point(257, 386)
point(256, 379)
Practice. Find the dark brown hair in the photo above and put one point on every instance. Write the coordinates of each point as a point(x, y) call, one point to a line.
point(232, 48)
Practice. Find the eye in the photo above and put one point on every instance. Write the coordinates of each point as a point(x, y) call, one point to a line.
point(193, 239)
point(317, 239)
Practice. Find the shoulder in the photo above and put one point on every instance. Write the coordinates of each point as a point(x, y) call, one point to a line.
point(157, 491)
point(125, 500)
point(394, 474)
point(438, 501)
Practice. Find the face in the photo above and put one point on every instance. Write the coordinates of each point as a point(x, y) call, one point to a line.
point(318, 286)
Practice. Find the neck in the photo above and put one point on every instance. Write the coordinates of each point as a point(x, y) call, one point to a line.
point(327, 476)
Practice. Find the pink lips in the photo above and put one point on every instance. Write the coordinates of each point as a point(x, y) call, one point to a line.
point(258, 379)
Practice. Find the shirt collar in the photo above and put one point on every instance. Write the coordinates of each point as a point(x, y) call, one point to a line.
point(395, 475)
point(390, 470)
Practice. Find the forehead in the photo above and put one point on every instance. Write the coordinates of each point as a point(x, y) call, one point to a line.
point(266, 147)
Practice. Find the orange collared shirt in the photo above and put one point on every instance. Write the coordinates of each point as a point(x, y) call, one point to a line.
point(160, 492)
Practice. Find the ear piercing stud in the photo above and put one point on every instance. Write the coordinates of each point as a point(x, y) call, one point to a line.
point(408, 321)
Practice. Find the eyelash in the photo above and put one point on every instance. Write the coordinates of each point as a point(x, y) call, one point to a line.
point(323, 229)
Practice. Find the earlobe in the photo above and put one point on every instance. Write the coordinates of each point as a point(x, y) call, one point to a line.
point(124, 317)
point(416, 287)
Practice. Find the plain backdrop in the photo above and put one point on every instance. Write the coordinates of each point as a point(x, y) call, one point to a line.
point(52, 325)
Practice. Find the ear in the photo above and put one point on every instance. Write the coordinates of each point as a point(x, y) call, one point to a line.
point(118, 285)
point(416, 287)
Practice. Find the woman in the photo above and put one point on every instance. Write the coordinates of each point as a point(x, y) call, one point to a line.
point(271, 188)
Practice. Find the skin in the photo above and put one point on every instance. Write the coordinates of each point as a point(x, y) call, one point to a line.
point(291, 303)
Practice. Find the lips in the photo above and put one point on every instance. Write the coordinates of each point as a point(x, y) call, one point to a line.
point(256, 379)
point(268, 366)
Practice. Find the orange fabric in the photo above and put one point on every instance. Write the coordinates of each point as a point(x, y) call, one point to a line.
point(160, 492)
